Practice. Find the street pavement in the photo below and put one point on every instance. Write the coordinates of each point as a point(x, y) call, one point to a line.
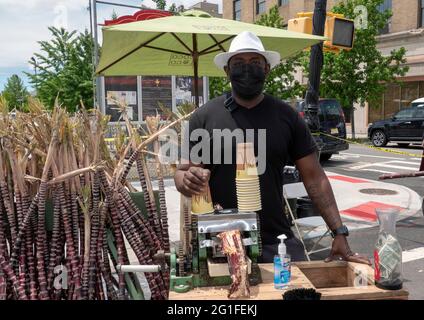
point(364, 163)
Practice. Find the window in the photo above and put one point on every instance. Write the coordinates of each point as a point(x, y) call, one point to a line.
point(260, 6)
point(283, 2)
point(419, 113)
point(237, 10)
point(422, 13)
point(386, 5)
point(405, 114)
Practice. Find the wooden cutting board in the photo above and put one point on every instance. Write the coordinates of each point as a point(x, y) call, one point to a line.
point(334, 280)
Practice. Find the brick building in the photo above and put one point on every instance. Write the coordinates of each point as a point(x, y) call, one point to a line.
point(406, 29)
point(208, 7)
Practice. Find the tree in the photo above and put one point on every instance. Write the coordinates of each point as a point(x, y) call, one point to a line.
point(281, 81)
point(160, 4)
point(114, 15)
point(65, 69)
point(361, 75)
point(181, 8)
point(15, 93)
point(173, 8)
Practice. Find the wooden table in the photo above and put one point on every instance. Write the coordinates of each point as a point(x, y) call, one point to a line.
point(334, 280)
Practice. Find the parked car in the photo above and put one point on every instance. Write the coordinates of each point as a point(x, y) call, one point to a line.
point(418, 103)
point(404, 128)
point(332, 122)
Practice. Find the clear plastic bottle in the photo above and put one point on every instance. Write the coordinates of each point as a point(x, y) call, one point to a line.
point(282, 268)
point(388, 252)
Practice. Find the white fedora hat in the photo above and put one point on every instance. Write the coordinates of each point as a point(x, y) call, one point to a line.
point(247, 41)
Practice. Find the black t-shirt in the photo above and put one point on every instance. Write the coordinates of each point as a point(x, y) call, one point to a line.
point(287, 136)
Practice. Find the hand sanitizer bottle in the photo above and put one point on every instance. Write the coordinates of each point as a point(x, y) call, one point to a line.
point(282, 272)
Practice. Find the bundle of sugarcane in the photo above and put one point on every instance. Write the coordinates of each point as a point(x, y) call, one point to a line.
point(56, 170)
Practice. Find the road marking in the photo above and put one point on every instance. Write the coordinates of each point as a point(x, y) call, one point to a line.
point(385, 165)
point(367, 211)
point(348, 179)
point(378, 171)
point(362, 166)
point(369, 156)
point(412, 255)
point(405, 162)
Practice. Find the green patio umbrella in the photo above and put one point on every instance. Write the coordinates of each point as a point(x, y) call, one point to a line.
point(185, 45)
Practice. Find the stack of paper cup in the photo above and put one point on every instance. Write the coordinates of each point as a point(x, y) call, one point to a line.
point(247, 179)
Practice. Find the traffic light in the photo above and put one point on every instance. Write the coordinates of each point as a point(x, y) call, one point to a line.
point(339, 31)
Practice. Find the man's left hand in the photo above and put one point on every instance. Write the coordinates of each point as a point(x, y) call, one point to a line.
point(340, 251)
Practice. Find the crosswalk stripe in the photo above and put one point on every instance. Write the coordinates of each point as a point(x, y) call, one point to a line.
point(378, 171)
point(362, 166)
point(370, 156)
point(412, 255)
point(384, 165)
point(404, 162)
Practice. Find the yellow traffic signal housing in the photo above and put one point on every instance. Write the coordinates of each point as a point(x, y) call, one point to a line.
point(302, 25)
point(339, 31)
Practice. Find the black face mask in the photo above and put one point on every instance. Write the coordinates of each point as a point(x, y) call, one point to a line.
point(247, 80)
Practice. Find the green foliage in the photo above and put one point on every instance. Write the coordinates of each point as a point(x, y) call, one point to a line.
point(173, 8)
point(160, 4)
point(176, 9)
point(64, 69)
point(361, 74)
point(281, 82)
point(15, 93)
point(217, 86)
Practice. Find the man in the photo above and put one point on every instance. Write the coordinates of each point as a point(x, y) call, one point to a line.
point(247, 65)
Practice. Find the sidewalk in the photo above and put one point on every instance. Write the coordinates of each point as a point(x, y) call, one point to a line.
point(356, 207)
point(358, 136)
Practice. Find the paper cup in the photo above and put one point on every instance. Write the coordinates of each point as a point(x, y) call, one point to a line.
point(202, 204)
point(246, 161)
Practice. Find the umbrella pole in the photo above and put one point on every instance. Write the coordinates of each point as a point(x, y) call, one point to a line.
point(195, 56)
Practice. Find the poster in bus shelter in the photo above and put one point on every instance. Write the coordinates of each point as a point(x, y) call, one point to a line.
point(155, 91)
point(184, 91)
point(122, 90)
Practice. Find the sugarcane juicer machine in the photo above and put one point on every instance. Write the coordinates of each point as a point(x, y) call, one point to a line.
point(199, 262)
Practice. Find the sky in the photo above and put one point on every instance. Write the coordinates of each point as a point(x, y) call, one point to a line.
point(24, 23)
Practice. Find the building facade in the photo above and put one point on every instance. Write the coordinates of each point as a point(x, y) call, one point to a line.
point(208, 7)
point(406, 29)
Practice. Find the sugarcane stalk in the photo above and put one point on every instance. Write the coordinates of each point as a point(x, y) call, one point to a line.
point(41, 232)
point(401, 175)
point(146, 142)
point(7, 201)
point(152, 125)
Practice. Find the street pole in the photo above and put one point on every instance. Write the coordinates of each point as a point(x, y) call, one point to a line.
point(96, 53)
point(315, 67)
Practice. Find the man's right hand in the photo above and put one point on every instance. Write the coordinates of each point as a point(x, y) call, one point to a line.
point(195, 180)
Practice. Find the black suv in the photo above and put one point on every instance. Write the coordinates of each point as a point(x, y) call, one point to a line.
point(332, 122)
point(405, 127)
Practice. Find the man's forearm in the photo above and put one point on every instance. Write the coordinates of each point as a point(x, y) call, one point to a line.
point(322, 196)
